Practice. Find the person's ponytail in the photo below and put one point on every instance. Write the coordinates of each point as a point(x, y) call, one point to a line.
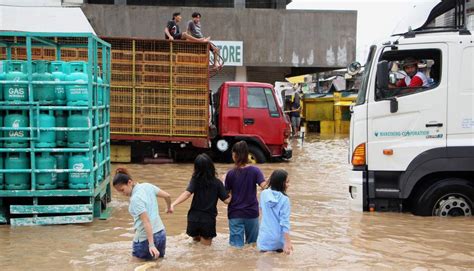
point(122, 176)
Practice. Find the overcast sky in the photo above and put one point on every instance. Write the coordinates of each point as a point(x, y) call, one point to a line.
point(375, 19)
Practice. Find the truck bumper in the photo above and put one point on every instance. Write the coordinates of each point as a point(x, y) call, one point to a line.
point(287, 152)
point(356, 190)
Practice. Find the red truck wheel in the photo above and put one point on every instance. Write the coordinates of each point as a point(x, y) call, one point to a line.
point(256, 155)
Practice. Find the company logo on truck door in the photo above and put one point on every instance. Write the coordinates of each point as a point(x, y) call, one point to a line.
point(402, 133)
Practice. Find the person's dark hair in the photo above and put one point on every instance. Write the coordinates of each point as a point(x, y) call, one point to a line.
point(121, 177)
point(176, 14)
point(277, 180)
point(241, 151)
point(196, 14)
point(204, 169)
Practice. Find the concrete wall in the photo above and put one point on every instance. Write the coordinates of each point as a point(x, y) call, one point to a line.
point(285, 38)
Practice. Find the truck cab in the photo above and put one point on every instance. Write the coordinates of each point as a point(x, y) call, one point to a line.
point(412, 146)
point(249, 111)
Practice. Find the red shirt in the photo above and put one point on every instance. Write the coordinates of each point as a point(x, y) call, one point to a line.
point(416, 81)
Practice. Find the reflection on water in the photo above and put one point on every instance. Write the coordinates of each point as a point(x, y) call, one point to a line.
point(326, 233)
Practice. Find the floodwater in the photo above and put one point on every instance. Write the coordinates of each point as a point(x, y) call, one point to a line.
point(326, 233)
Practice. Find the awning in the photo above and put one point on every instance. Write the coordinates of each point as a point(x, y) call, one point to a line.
point(343, 103)
point(296, 79)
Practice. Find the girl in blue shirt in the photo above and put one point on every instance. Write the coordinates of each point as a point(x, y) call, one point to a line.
point(274, 232)
point(149, 241)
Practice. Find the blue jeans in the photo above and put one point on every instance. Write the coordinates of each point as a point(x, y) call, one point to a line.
point(141, 250)
point(240, 228)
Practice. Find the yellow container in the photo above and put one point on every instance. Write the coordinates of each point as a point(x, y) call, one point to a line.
point(120, 153)
point(342, 126)
point(318, 109)
point(326, 127)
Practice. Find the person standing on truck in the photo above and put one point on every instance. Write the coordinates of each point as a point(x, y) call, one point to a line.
point(194, 29)
point(172, 31)
point(413, 78)
point(274, 233)
point(241, 182)
point(207, 189)
point(149, 241)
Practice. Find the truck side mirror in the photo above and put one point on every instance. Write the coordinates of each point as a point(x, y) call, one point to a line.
point(382, 75)
point(393, 105)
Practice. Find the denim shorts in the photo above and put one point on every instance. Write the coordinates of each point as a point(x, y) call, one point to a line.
point(141, 249)
point(243, 231)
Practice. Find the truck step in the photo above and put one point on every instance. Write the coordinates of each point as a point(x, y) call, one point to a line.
point(391, 193)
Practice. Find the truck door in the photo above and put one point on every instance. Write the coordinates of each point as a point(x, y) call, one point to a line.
point(261, 115)
point(230, 119)
point(419, 124)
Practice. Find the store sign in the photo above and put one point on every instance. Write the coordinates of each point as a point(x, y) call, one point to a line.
point(231, 51)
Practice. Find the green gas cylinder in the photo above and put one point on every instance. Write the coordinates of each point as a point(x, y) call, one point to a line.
point(46, 180)
point(79, 180)
point(3, 75)
point(59, 71)
point(47, 139)
point(62, 163)
point(43, 93)
point(78, 139)
point(61, 122)
point(16, 91)
point(16, 138)
point(17, 181)
point(77, 95)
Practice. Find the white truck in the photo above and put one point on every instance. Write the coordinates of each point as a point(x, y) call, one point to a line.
point(412, 148)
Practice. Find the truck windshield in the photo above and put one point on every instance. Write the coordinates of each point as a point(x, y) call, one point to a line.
point(365, 77)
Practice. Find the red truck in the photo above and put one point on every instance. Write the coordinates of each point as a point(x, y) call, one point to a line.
point(161, 106)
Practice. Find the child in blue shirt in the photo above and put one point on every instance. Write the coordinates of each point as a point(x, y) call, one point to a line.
point(274, 232)
point(150, 237)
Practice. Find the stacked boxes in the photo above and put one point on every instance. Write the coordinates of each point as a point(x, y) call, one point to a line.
point(55, 130)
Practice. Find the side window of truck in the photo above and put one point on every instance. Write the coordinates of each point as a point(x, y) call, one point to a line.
point(256, 98)
point(410, 72)
point(271, 103)
point(233, 97)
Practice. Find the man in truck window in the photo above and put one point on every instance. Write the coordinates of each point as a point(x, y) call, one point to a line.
point(413, 78)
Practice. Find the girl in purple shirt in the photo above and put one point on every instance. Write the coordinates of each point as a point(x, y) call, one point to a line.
point(241, 182)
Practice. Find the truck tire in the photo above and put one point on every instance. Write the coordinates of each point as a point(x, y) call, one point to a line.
point(447, 197)
point(256, 155)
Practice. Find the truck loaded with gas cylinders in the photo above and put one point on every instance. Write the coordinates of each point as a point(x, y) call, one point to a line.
point(412, 146)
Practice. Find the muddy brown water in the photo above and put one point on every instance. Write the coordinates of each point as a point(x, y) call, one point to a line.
point(326, 233)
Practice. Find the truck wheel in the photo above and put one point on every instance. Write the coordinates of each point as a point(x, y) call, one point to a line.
point(447, 197)
point(256, 155)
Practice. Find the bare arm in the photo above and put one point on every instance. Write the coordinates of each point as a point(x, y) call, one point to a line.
point(167, 197)
point(149, 234)
point(167, 32)
point(288, 247)
point(263, 185)
point(184, 196)
point(227, 200)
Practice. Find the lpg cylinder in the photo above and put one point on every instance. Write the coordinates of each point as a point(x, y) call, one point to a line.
point(78, 139)
point(16, 91)
point(79, 180)
point(77, 95)
point(17, 181)
point(3, 75)
point(46, 180)
point(61, 122)
point(43, 93)
point(47, 139)
point(16, 138)
point(100, 170)
point(58, 70)
point(2, 181)
point(61, 161)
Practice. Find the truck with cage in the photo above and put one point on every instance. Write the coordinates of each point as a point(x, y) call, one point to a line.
point(412, 148)
point(161, 106)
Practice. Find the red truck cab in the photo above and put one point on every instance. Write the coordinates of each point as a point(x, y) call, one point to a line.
point(249, 111)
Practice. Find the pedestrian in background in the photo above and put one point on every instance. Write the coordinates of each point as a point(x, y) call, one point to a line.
point(149, 241)
point(207, 189)
point(241, 182)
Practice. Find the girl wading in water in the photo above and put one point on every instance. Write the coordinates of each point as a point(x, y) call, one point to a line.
point(274, 233)
point(207, 189)
point(242, 183)
point(149, 241)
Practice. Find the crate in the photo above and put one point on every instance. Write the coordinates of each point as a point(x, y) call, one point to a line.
point(36, 205)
